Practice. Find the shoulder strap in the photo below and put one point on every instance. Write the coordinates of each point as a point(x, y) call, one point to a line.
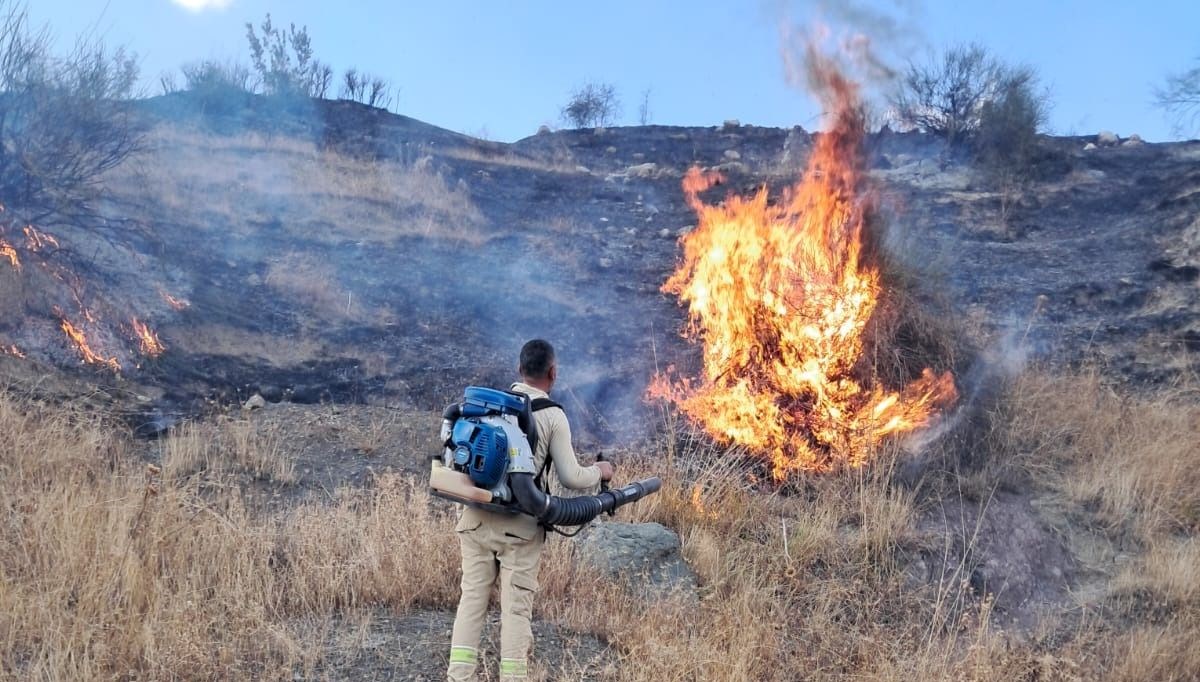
point(536, 405)
point(539, 404)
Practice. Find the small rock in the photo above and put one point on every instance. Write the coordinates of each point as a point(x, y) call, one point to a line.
point(582, 169)
point(686, 229)
point(1133, 142)
point(1135, 138)
point(606, 262)
point(610, 150)
point(256, 402)
point(1089, 146)
point(543, 129)
point(1107, 138)
point(253, 280)
point(665, 233)
point(732, 123)
point(642, 170)
point(638, 156)
point(732, 154)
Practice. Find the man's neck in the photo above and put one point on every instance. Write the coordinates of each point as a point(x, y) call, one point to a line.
point(540, 384)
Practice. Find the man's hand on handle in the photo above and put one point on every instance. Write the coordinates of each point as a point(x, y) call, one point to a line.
point(606, 469)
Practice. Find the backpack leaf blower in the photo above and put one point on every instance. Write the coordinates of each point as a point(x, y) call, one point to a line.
point(487, 461)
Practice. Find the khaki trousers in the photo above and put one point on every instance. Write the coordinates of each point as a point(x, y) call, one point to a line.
point(512, 552)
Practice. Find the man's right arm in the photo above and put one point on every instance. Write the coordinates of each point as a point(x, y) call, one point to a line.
point(566, 465)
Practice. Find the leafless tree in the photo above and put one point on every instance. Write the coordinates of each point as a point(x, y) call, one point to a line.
point(946, 95)
point(1180, 97)
point(372, 91)
point(593, 105)
point(644, 108)
point(64, 119)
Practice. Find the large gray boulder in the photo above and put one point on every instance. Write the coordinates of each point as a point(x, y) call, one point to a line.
point(644, 555)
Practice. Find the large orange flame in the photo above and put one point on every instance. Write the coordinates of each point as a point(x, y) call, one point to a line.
point(779, 295)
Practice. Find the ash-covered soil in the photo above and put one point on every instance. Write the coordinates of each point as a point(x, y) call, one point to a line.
point(337, 253)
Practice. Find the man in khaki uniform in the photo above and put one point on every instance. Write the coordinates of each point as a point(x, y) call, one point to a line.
point(511, 545)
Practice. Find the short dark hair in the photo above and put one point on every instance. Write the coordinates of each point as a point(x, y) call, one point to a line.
point(537, 357)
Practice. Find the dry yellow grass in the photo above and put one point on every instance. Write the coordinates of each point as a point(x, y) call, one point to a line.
point(243, 184)
point(113, 569)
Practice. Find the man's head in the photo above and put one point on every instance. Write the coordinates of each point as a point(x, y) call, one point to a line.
point(538, 367)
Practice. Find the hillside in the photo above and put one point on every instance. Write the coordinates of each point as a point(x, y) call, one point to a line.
point(329, 253)
point(357, 268)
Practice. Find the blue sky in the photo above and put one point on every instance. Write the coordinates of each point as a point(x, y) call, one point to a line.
point(503, 68)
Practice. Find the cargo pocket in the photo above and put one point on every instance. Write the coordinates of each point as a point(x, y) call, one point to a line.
point(467, 524)
point(525, 582)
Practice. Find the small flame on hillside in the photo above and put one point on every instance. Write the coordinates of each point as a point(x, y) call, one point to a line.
point(80, 340)
point(779, 296)
point(175, 303)
point(36, 240)
point(11, 350)
point(9, 253)
point(147, 340)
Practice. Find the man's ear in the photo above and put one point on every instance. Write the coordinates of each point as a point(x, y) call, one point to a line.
point(552, 374)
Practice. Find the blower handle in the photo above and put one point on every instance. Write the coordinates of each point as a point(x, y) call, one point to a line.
point(604, 485)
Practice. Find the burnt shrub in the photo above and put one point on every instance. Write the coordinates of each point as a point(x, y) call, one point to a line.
point(212, 76)
point(64, 119)
point(1006, 146)
point(592, 105)
point(283, 59)
point(945, 96)
point(365, 88)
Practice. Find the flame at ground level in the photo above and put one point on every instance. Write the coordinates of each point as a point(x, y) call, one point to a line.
point(9, 253)
point(147, 340)
point(780, 295)
point(80, 340)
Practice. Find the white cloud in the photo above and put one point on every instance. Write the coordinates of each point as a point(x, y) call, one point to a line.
point(201, 5)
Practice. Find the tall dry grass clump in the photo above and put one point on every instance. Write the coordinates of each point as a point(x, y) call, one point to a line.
point(114, 568)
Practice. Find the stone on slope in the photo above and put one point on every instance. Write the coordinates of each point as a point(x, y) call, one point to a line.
point(644, 555)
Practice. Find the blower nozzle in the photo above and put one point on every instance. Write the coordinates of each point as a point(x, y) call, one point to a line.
point(576, 511)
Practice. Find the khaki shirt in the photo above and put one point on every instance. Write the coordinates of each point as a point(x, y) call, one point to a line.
point(554, 441)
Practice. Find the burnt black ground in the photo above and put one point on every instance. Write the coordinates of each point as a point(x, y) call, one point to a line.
point(1098, 260)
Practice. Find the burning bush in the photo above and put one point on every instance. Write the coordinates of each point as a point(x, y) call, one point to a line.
point(780, 296)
